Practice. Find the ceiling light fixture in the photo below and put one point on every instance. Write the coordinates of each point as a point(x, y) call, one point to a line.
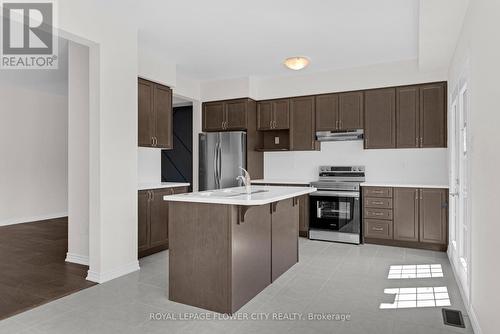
point(296, 63)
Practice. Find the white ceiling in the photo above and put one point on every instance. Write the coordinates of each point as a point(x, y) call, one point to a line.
point(227, 38)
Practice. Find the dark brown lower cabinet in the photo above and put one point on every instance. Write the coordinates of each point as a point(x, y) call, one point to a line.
point(284, 236)
point(405, 214)
point(433, 216)
point(153, 219)
point(418, 218)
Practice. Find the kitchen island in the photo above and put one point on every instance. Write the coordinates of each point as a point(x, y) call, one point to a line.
point(226, 245)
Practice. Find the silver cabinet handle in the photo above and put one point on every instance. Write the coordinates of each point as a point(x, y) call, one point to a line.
point(377, 191)
point(270, 124)
point(336, 125)
point(377, 203)
point(416, 142)
point(152, 141)
point(377, 213)
point(421, 142)
point(377, 228)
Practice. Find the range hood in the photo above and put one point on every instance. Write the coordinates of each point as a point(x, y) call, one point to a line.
point(339, 135)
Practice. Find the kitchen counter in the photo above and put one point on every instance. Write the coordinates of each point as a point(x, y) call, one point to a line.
point(160, 185)
point(236, 196)
point(281, 181)
point(403, 185)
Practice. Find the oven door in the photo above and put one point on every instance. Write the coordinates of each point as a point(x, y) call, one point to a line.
point(335, 211)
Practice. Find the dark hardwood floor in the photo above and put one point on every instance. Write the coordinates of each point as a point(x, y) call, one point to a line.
point(32, 266)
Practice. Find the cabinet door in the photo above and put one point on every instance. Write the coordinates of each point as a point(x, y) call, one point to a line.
point(302, 133)
point(351, 110)
point(380, 118)
point(213, 116)
point(405, 214)
point(145, 113)
point(281, 114)
point(159, 217)
point(407, 117)
point(264, 115)
point(433, 216)
point(143, 220)
point(284, 236)
point(433, 115)
point(236, 115)
point(163, 117)
point(327, 112)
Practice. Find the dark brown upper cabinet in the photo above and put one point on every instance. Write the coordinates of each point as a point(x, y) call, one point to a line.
point(407, 117)
point(380, 118)
point(336, 112)
point(406, 214)
point(230, 115)
point(302, 120)
point(273, 115)
point(327, 112)
point(433, 115)
point(154, 115)
point(433, 216)
point(351, 110)
point(421, 116)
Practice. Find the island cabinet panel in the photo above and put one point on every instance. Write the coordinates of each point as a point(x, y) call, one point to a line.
point(406, 214)
point(200, 255)
point(303, 127)
point(251, 249)
point(380, 118)
point(285, 236)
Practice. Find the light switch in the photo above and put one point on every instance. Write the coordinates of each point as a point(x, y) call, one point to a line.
point(277, 140)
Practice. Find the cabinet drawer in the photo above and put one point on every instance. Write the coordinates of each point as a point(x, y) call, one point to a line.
point(377, 192)
point(380, 229)
point(378, 213)
point(378, 202)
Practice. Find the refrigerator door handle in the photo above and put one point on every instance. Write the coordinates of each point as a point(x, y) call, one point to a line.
point(216, 151)
point(219, 165)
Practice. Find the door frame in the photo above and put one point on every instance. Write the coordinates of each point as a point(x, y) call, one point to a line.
point(459, 111)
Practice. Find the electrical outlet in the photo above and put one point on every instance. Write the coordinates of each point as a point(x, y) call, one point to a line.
point(276, 140)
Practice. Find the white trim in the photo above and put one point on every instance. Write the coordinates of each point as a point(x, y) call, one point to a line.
point(101, 277)
point(77, 258)
point(474, 321)
point(33, 219)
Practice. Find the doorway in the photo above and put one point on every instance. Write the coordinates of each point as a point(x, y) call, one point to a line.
point(177, 164)
point(460, 223)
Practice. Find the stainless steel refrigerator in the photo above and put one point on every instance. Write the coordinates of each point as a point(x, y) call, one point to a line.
point(221, 156)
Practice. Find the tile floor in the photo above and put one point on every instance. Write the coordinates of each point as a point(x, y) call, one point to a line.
point(330, 278)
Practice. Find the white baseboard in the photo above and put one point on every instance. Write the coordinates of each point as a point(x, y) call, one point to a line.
point(31, 219)
point(101, 277)
point(78, 259)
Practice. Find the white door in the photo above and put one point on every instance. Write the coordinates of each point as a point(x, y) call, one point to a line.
point(459, 186)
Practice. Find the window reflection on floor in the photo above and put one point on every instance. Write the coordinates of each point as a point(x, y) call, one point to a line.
point(417, 297)
point(415, 271)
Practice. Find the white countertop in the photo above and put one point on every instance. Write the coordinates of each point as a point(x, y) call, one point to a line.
point(403, 185)
point(160, 185)
point(280, 181)
point(237, 196)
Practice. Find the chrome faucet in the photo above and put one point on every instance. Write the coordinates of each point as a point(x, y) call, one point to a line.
point(246, 181)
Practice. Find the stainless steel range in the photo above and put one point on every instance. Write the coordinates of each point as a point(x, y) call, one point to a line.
point(335, 210)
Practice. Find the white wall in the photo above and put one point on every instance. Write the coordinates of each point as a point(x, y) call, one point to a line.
point(111, 35)
point(149, 165)
point(479, 44)
point(34, 143)
point(78, 154)
point(427, 166)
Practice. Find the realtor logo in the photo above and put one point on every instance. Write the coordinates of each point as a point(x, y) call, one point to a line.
point(28, 38)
